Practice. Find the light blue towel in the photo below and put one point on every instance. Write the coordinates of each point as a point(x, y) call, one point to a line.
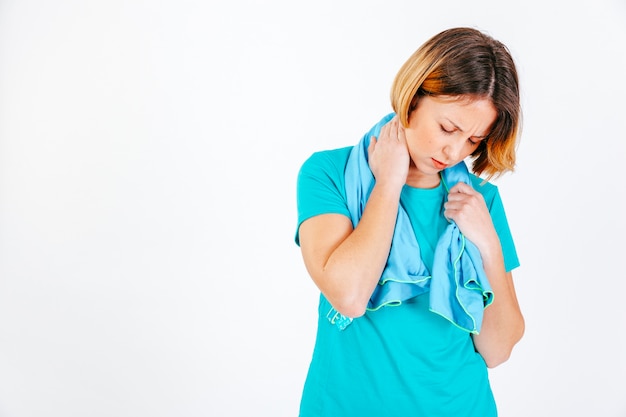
point(459, 289)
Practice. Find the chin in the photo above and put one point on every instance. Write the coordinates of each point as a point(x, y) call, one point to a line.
point(429, 171)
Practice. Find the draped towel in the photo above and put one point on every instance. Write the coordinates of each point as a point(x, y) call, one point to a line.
point(458, 285)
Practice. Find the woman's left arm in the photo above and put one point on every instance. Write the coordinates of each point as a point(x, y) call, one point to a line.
point(503, 323)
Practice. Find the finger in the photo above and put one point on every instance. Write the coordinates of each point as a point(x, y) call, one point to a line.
point(448, 214)
point(462, 187)
point(372, 145)
point(459, 200)
point(384, 132)
point(401, 133)
point(394, 128)
point(453, 205)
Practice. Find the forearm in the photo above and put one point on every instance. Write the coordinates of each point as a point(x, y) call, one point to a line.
point(353, 269)
point(503, 323)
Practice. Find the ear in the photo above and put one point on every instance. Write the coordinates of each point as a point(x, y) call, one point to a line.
point(412, 108)
point(413, 105)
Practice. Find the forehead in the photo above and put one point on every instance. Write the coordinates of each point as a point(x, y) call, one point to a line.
point(468, 113)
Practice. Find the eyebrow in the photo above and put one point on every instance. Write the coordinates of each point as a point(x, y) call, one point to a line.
point(456, 126)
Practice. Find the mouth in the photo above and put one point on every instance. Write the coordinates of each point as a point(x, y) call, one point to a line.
point(438, 164)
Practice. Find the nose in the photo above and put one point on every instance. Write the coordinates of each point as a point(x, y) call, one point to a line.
point(453, 151)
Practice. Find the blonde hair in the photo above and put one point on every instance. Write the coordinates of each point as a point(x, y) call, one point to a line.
point(465, 62)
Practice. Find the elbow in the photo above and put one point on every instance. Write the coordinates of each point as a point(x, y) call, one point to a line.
point(495, 360)
point(503, 353)
point(349, 300)
point(350, 309)
point(349, 305)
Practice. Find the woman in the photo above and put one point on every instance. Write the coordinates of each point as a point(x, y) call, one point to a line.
point(408, 248)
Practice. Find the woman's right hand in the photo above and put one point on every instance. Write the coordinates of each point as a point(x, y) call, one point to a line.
point(389, 156)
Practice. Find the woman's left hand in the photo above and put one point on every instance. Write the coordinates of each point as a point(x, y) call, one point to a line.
point(467, 208)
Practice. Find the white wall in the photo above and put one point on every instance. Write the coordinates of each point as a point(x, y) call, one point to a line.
point(148, 157)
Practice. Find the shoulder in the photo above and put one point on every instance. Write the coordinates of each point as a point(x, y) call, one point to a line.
point(321, 185)
point(488, 190)
point(327, 160)
point(325, 166)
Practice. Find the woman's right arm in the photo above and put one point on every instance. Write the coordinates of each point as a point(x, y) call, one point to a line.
point(346, 263)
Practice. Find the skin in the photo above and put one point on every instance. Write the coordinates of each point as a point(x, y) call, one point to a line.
point(346, 263)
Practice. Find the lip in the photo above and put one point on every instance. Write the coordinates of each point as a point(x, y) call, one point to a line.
point(438, 164)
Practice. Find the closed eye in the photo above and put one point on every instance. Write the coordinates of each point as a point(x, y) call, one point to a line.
point(443, 129)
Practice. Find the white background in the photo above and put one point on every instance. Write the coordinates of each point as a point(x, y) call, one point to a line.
point(148, 159)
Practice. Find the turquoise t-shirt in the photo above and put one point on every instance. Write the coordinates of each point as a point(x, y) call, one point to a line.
point(396, 361)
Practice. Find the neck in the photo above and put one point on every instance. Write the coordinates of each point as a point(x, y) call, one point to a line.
point(417, 179)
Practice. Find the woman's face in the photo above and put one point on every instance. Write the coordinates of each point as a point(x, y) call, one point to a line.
point(444, 131)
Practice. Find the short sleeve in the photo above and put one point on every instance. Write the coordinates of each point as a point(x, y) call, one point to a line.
point(498, 216)
point(321, 186)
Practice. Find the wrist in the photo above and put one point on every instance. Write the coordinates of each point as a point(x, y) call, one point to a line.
point(491, 252)
point(388, 188)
